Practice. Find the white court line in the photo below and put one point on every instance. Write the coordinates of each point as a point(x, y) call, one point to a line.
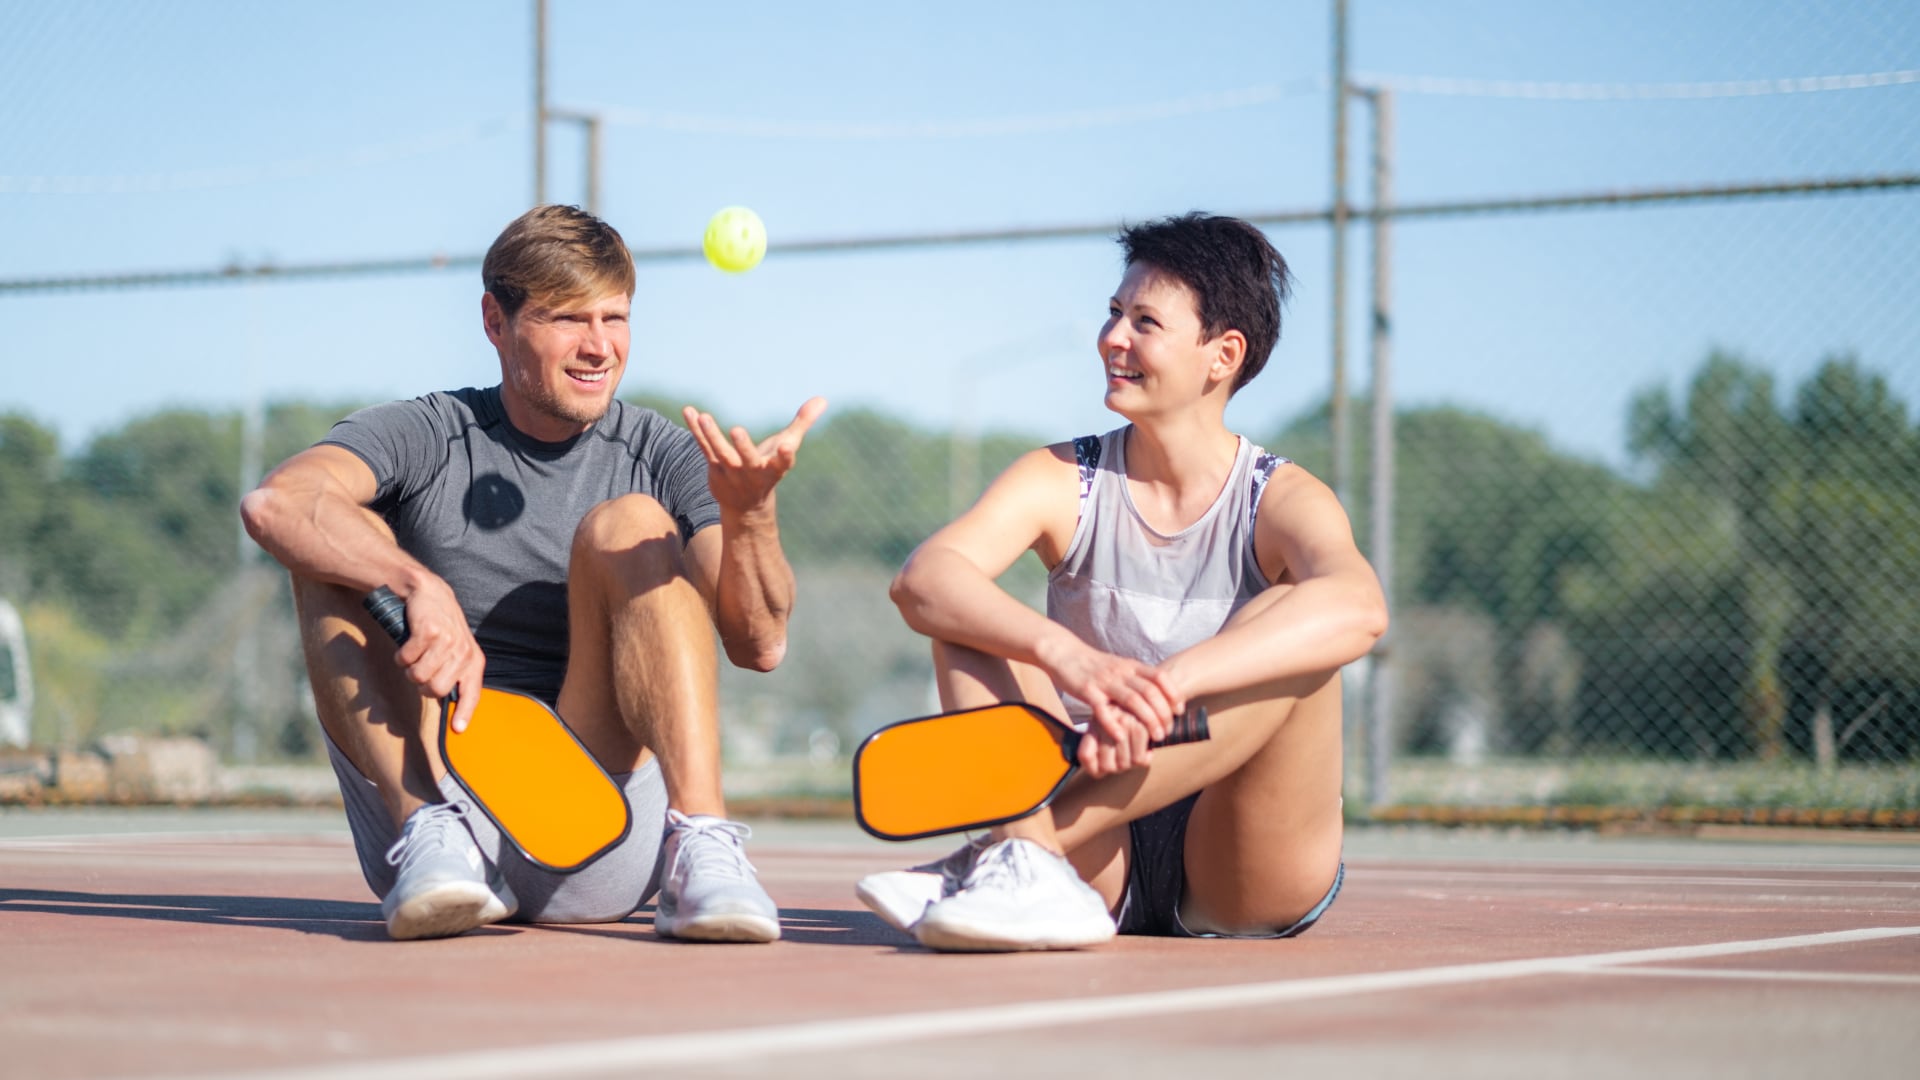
point(1529, 877)
point(699, 1048)
point(1766, 976)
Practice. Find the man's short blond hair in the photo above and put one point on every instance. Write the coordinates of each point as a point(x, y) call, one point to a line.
point(556, 255)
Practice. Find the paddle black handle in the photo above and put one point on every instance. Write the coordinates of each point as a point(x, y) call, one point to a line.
point(1188, 727)
point(389, 611)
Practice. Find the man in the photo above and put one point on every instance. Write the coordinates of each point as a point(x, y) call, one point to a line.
point(1187, 566)
point(556, 541)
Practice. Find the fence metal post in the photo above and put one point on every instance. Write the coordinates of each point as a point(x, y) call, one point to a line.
point(1381, 672)
point(590, 127)
point(1337, 270)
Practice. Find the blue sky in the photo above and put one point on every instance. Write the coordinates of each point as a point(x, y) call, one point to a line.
point(151, 135)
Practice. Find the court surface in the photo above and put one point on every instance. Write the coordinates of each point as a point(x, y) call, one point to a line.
point(216, 943)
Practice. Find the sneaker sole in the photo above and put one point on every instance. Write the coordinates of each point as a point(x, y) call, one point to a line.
point(738, 929)
point(899, 908)
point(445, 911)
point(957, 936)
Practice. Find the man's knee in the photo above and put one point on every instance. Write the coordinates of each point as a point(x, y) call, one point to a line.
point(628, 527)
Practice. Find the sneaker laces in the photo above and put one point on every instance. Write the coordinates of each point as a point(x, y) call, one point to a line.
point(1004, 865)
point(954, 868)
point(712, 847)
point(427, 831)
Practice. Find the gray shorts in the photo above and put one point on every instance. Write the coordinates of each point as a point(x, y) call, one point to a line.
point(606, 890)
point(1157, 879)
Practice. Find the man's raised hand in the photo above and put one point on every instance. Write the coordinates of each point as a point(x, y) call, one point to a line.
point(743, 473)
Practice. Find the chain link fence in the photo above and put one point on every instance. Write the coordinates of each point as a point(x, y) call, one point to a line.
point(1654, 515)
point(1724, 614)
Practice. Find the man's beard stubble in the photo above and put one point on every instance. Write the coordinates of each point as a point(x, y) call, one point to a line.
point(542, 400)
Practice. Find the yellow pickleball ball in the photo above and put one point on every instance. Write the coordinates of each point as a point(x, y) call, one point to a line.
point(736, 240)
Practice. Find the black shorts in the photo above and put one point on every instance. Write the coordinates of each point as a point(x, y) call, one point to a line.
point(1157, 876)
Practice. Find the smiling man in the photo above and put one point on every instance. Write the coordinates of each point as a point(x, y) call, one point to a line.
point(553, 540)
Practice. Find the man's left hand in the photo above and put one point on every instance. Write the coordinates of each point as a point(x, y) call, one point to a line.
point(743, 473)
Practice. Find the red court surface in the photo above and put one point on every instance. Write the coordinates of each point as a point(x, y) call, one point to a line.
point(172, 943)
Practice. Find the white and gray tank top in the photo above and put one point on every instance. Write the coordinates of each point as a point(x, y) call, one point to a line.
point(1128, 589)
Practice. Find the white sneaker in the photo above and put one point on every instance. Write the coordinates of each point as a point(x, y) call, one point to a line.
point(1018, 896)
point(441, 888)
point(900, 897)
point(710, 892)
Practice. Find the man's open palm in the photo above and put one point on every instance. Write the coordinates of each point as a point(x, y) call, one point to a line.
point(743, 473)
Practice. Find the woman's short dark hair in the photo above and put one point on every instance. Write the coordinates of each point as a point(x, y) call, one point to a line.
point(1239, 279)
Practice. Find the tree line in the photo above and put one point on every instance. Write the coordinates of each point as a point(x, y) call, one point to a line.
point(1743, 589)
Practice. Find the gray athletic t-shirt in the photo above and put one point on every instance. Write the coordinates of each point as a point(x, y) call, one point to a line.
point(493, 511)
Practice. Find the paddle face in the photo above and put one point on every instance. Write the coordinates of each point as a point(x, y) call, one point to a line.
point(525, 769)
point(534, 779)
point(971, 769)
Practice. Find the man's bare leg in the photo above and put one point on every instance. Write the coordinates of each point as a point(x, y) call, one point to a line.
point(643, 671)
point(390, 732)
point(643, 681)
point(369, 708)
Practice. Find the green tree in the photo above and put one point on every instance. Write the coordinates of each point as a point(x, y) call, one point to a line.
point(1490, 518)
point(1811, 512)
point(1855, 653)
point(29, 478)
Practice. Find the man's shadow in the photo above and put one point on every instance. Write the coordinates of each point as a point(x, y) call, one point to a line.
point(804, 926)
point(334, 918)
point(355, 921)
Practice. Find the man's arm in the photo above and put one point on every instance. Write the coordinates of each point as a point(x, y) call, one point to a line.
point(1330, 614)
point(739, 567)
point(310, 514)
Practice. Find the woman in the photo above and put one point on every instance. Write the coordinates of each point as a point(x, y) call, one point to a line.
point(1185, 565)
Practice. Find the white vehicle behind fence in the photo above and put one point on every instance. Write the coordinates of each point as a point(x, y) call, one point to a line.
point(16, 682)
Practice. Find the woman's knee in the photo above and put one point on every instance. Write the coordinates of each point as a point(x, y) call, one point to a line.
point(1268, 597)
point(967, 676)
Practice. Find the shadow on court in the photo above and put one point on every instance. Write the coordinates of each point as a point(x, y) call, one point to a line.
point(350, 921)
point(805, 926)
point(332, 918)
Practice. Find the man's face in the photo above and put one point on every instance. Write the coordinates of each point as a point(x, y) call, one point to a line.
point(560, 362)
point(1151, 344)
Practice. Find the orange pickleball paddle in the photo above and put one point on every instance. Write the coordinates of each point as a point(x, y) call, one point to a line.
point(525, 769)
point(972, 768)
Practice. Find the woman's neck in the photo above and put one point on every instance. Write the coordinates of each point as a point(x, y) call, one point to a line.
point(1175, 471)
